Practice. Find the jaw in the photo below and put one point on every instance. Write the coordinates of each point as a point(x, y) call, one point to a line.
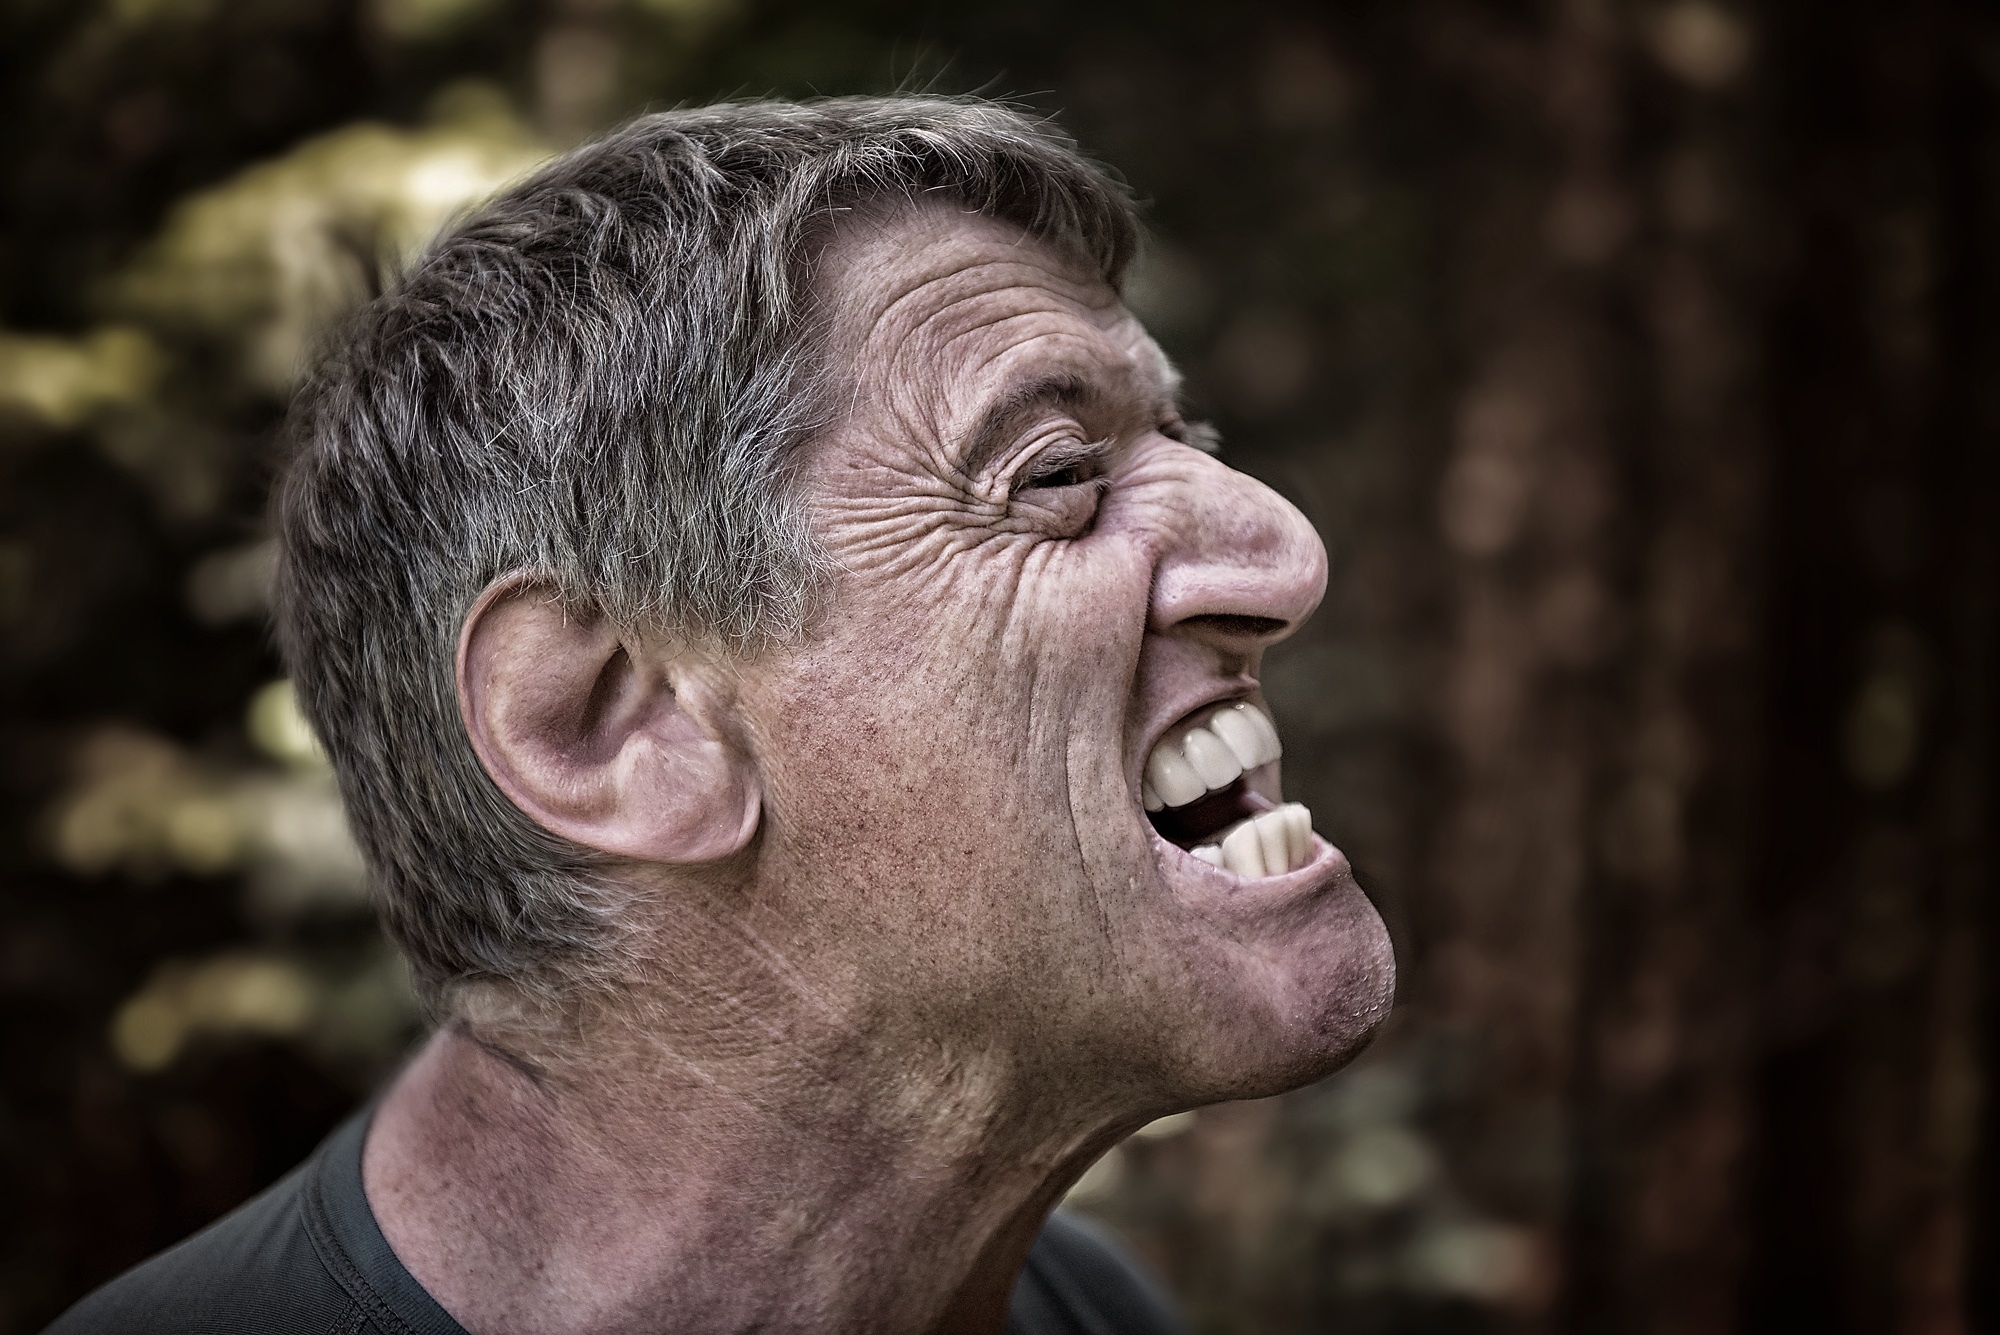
point(1289, 975)
point(1040, 913)
point(1287, 967)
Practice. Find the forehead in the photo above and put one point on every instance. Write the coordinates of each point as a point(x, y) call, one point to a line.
point(958, 315)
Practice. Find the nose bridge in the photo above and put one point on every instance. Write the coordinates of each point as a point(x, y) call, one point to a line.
point(1238, 550)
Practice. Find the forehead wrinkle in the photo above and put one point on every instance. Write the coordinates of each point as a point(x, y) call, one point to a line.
point(904, 359)
point(926, 342)
point(970, 285)
point(866, 275)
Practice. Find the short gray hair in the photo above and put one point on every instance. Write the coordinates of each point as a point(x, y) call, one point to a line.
point(600, 379)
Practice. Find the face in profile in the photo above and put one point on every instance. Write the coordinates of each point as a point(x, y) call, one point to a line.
point(1020, 784)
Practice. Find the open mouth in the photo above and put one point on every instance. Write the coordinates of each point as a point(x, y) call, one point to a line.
point(1198, 795)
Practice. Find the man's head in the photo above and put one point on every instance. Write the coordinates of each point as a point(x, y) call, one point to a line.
point(759, 559)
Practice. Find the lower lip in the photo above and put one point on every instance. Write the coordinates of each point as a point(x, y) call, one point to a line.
point(1328, 863)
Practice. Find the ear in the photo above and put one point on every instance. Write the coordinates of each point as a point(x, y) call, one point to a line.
point(594, 741)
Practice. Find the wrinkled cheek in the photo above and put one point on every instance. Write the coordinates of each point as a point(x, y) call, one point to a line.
point(1017, 625)
point(908, 714)
point(1086, 604)
point(1093, 630)
point(953, 730)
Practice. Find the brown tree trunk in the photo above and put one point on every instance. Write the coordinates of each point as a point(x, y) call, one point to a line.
point(1696, 898)
point(1879, 841)
point(1603, 507)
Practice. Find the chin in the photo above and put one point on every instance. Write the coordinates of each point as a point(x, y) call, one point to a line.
point(1295, 989)
point(1288, 968)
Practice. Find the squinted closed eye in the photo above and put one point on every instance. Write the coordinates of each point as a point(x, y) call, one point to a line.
point(1068, 464)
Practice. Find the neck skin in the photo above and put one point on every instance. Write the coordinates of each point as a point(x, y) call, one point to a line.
point(643, 1191)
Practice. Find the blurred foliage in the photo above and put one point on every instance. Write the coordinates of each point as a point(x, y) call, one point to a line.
point(262, 262)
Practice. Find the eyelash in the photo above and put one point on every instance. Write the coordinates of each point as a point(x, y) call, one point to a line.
point(1069, 464)
point(1073, 464)
point(1071, 474)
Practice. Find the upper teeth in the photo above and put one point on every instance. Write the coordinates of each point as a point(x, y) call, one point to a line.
point(1208, 755)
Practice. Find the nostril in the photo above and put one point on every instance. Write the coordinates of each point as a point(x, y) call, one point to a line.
point(1235, 627)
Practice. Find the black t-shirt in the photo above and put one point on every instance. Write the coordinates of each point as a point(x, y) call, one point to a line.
point(307, 1258)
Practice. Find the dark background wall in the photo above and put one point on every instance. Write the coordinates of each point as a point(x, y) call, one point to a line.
point(1637, 362)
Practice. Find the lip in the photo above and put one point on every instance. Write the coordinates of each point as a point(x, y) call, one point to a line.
point(1328, 867)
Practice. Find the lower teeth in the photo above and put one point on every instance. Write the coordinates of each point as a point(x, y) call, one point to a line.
point(1278, 841)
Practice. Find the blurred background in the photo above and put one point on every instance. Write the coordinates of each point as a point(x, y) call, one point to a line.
point(1638, 361)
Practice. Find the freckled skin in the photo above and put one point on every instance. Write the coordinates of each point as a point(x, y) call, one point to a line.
point(1023, 658)
point(956, 963)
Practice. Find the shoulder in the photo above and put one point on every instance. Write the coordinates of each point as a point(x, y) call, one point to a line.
point(252, 1271)
point(1078, 1282)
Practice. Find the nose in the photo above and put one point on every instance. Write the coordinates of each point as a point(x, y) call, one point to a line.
point(1244, 568)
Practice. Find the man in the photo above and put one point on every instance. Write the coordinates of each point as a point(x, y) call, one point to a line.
point(792, 672)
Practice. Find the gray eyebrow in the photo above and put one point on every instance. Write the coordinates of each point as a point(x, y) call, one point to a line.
point(990, 436)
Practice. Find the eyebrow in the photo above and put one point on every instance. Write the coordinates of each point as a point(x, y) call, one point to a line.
point(990, 436)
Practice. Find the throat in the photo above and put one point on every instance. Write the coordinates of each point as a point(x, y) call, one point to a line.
point(1200, 821)
point(522, 1218)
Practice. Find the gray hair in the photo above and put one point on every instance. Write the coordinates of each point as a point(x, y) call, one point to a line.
point(601, 379)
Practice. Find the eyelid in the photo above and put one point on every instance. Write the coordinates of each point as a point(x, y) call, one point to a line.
point(1059, 457)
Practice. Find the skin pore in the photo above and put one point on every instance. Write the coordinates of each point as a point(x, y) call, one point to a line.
point(908, 955)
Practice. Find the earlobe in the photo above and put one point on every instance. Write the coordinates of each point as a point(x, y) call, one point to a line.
point(595, 739)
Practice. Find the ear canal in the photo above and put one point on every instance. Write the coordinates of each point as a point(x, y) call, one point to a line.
point(604, 692)
point(613, 697)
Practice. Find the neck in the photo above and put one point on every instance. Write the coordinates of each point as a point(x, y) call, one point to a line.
point(641, 1191)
